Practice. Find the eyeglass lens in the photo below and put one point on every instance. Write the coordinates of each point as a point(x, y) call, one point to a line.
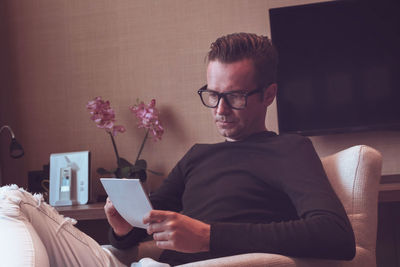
point(235, 100)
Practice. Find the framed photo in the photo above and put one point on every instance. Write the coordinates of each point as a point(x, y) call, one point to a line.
point(69, 178)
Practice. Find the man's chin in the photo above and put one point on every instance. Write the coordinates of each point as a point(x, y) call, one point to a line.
point(229, 134)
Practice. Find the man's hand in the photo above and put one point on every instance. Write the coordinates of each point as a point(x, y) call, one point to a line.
point(178, 232)
point(120, 226)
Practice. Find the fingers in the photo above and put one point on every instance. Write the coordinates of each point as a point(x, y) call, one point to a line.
point(108, 201)
point(160, 221)
point(159, 226)
point(165, 240)
point(168, 244)
point(162, 236)
point(178, 232)
point(158, 216)
point(109, 207)
point(111, 212)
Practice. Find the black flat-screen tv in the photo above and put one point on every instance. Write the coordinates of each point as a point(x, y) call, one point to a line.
point(339, 66)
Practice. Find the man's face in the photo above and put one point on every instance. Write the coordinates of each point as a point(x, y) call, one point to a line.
point(235, 124)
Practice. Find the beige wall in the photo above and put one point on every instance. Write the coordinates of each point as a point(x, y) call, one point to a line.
point(57, 55)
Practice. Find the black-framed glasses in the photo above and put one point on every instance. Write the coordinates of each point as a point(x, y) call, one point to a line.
point(234, 99)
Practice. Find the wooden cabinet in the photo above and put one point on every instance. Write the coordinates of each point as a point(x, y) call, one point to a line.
point(93, 211)
point(388, 238)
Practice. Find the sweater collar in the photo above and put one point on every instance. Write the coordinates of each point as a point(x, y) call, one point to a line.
point(255, 137)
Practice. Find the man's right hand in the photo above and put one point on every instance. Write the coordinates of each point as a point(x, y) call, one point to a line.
point(120, 226)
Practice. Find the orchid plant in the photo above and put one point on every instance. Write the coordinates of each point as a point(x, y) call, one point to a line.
point(104, 117)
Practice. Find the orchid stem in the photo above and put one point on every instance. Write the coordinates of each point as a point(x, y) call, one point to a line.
point(141, 147)
point(115, 149)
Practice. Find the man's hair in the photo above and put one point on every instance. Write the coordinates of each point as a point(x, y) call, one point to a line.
point(238, 46)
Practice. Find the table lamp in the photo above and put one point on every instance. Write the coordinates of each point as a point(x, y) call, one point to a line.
point(16, 150)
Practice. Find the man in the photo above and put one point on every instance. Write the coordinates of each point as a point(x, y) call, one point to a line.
point(256, 192)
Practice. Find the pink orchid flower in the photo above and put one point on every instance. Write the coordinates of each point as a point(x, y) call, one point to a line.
point(103, 115)
point(147, 116)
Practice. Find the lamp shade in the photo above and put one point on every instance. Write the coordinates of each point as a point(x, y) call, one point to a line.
point(16, 150)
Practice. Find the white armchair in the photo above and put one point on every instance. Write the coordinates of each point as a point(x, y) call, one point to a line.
point(354, 174)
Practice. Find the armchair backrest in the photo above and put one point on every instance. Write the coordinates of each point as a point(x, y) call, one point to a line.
point(354, 174)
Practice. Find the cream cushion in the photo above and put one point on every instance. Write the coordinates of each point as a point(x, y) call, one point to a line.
point(20, 245)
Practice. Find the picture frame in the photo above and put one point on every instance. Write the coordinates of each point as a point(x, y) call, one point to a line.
point(69, 178)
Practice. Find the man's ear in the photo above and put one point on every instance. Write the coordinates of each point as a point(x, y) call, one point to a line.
point(269, 94)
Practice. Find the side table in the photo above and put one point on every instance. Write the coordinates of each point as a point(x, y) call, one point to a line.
point(91, 219)
point(93, 211)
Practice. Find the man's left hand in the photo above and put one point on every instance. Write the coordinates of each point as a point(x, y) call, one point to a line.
point(178, 232)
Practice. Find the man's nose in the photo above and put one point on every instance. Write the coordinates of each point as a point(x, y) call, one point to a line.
point(223, 107)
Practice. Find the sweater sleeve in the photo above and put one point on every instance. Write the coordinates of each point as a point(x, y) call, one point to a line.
point(167, 197)
point(127, 241)
point(318, 235)
point(322, 229)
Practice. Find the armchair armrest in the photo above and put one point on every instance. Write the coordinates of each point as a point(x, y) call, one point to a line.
point(145, 249)
point(148, 249)
point(247, 260)
point(364, 258)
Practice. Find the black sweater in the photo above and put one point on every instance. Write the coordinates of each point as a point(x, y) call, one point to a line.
point(267, 193)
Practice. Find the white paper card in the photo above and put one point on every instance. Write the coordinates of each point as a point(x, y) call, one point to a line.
point(128, 198)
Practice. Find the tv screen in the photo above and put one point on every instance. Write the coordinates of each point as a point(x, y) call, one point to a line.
point(339, 66)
